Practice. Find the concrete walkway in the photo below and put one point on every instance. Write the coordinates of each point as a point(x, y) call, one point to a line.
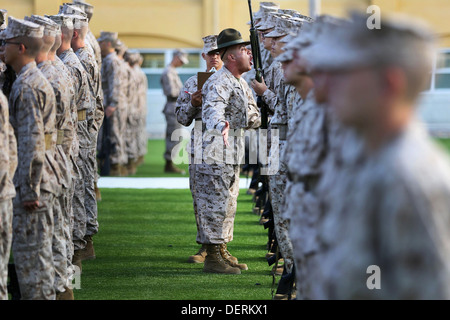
point(152, 183)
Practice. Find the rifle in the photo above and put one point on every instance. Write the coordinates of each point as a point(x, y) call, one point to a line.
point(262, 194)
point(257, 64)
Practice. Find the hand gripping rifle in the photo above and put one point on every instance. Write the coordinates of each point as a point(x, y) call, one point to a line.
point(257, 64)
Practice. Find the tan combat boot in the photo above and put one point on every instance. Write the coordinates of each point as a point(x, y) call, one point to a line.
point(199, 257)
point(170, 168)
point(88, 253)
point(214, 262)
point(232, 261)
point(115, 170)
point(98, 194)
point(66, 295)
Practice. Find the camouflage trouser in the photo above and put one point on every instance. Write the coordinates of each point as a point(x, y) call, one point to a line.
point(171, 125)
point(131, 138)
point(59, 244)
point(67, 198)
point(117, 139)
point(217, 189)
point(277, 186)
point(84, 200)
point(32, 248)
point(192, 186)
point(142, 137)
point(6, 215)
point(302, 209)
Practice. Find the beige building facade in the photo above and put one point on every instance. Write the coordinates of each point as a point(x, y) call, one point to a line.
point(156, 27)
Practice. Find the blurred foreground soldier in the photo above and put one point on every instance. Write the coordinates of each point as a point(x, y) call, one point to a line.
point(189, 109)
point(111, 85)
point(8, 161)
point(32, 103)
point(171, 85)
point(63, 94)
point(280, 97)
point(228, 110)
point(394, 224)
point(305, 151)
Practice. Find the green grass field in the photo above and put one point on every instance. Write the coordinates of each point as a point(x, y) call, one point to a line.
point(146, 236)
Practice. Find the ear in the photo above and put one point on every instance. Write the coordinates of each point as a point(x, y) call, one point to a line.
point(75, 34)
point(395, 82)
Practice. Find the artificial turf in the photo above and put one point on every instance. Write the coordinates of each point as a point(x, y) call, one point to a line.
point(143, 244)
point(146, 236)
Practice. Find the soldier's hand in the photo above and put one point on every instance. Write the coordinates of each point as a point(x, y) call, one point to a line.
point(225, 131)
point(196, 98)
point(109, 111)
point(31, 205)
point(259, 87)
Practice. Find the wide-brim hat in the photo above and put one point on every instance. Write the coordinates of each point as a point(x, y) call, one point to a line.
point(230, 37)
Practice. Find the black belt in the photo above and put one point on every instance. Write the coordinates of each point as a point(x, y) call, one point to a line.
point(309, 181)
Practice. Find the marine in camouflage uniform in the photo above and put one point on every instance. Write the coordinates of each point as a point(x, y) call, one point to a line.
point(188, 110)
point(8, 161)
point(281, 97)
point(228, 109)
point(398, 179)
point(125, 75)
point(171, 85)
point(133, 123)
point(112, 83)
point(85, 196)
point(85, 110)
point(32, 106)
point(304, 155)
point(63, 98)
point(142, 107)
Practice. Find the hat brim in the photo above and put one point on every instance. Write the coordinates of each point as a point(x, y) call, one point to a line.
point(184, 60)
point(232, 43)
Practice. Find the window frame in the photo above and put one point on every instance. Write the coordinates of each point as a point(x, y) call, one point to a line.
point(168, 54)
point(436, 72)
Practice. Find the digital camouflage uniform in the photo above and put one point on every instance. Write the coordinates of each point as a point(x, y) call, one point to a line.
point(142, 111)
point(63, 93)
point(305, 152)
point(32, 106)
point(395, 218)
point(87, 223)
point(171, 85)
point(186, 114)
point(8, 164)
point(225, 98)
point(85, 110)
point(141, 130)
point(112, 96)
point(67, 128)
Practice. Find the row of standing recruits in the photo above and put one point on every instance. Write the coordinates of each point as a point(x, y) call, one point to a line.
point(52, 104)
point(361, 187)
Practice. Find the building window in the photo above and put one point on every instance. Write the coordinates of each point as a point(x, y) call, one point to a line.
point(440, 78)
point(155, 61)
